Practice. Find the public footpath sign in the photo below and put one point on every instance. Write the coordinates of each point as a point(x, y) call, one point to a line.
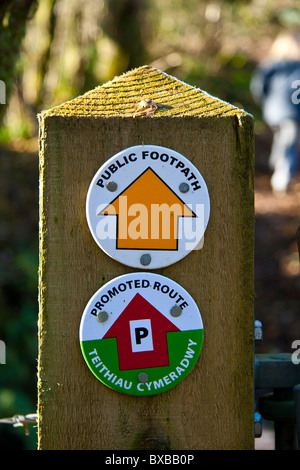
point(148, 207)
point(141, 334)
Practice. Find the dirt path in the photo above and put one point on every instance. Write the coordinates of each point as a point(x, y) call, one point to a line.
point(277, 281)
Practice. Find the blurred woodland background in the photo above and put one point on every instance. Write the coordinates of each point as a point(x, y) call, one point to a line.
point(54, 50)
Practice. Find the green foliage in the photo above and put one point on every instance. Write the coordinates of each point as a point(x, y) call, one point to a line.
point(12, 29)
point(18, 292)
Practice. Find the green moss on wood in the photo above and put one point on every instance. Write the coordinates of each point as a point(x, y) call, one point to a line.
point(120, 96)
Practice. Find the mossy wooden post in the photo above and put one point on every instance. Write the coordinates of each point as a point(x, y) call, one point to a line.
point(213, 407)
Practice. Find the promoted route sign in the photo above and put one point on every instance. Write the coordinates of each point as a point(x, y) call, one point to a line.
point(141, 334)
point(148, 206)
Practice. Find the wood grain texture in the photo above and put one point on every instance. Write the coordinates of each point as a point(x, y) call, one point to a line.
point(213, 407)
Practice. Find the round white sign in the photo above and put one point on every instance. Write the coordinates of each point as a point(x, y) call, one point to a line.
point(141, 334)
point(148, 207)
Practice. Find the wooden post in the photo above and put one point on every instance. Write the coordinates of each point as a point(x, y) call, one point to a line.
point(212, 408)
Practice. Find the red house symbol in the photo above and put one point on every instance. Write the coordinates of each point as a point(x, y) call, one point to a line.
point(141, 333)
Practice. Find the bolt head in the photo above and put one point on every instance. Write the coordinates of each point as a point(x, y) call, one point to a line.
point(111, 186)
point(142, 378)
point(102, 317)
point(184, 187)
point(145, 259)
point(176, 311)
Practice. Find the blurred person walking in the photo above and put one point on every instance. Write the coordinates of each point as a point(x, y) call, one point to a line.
point(274, 85)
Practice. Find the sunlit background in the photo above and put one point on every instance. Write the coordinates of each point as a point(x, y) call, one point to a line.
point(54, 50)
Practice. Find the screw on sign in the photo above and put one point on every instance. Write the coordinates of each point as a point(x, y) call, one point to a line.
point(148, 206)
point(151, 337)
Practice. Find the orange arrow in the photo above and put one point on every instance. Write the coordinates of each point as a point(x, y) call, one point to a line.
point(148, 212)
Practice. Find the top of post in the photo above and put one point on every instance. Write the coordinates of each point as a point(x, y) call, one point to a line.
point(121, 96)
